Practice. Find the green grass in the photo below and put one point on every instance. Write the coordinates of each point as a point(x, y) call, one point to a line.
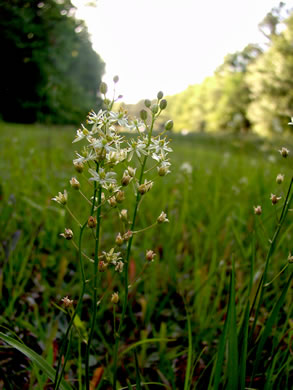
point(194, 301)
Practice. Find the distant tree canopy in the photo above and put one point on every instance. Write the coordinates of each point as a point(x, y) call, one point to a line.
point(49, 71)
point(252, 89)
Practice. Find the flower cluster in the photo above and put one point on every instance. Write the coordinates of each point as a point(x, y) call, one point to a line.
point(110, 140)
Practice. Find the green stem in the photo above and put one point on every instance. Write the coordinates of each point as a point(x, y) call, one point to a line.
point(126, 265)
point(58, 380)
point(96, 260)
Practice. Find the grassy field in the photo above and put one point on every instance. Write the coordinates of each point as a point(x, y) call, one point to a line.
point(196, 299)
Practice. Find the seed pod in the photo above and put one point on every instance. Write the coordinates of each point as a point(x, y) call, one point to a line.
point(169, 125)
point(74, 183)
point(103, 88)
point(147, 103)
point(163, 104)
point(92, 222)
point(160, 95)
point(143, 115)
point(155, 108)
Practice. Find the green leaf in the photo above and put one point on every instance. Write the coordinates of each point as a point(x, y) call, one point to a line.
point(35, 358)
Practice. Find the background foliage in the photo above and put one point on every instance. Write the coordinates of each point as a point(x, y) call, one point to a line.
point(49, 71)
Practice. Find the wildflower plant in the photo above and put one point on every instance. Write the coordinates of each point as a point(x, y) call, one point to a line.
point(106, 151)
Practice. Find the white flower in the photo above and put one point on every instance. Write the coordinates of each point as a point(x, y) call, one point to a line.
point(160, 146)
point(186, 168)
point(91, 156)
point(163, 168)
point(61, 198)
point(94, 118)
point(102, 177)
point(81, 134)
point(284, 152)
point(162, 218)
point(119, 266)
point(118, 117)
point(111, 256)
point(138, 147)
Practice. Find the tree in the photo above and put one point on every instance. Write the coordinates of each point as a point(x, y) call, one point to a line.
point(50, 71)
point(271, 82)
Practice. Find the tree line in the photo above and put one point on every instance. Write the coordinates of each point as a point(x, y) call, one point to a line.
point(49, 71)
point(251, 89)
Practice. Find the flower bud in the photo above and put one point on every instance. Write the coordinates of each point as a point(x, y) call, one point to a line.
point(147, 103)
point(280, 178)
point(67, 302)
point(169, 125)
point(61, 198)
point(163, 170)
point(127, 235)
point(162, 218)
point(126, 179)
point(284, 152)
point(119, 240)
point(155, 108)
point(160, 95)
point(92, 222)
point(116, 79)
point(143, 115)
point(112, 201)
point(144, 188)
point(290, 258)
point(275, 199)
point(102, 266)
point(78, 167)
point(68, 234)
point(257, 210)
point(103, 88)
point(163, 104)
point(131, 171)
point(150, 255)
point(124, 215)
point(115, 298)
point(74, 183)
point(120, 196)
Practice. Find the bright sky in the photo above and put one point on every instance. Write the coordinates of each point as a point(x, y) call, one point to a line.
point(169, 44)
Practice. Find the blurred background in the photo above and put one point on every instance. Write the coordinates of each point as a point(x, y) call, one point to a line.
point(225, 65)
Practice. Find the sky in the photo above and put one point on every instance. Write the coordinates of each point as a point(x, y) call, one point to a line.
point(168, 45)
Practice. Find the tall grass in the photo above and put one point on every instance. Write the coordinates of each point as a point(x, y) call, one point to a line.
point(209, 296)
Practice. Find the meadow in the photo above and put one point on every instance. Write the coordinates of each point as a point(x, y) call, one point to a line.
point(191, 322)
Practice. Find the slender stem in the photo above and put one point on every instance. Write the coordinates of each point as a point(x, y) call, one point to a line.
point(125, 301)
point(96, 260)
point(57, 381)
point(144, 229)
point(83, 195)
point(84, 255)
point(73, 216)
point(278, 274)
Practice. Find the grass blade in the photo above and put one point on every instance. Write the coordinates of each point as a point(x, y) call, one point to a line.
point(268, 327)
point(35, 358)
point(153, 340)
point(232, 336)
point(138, 386)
